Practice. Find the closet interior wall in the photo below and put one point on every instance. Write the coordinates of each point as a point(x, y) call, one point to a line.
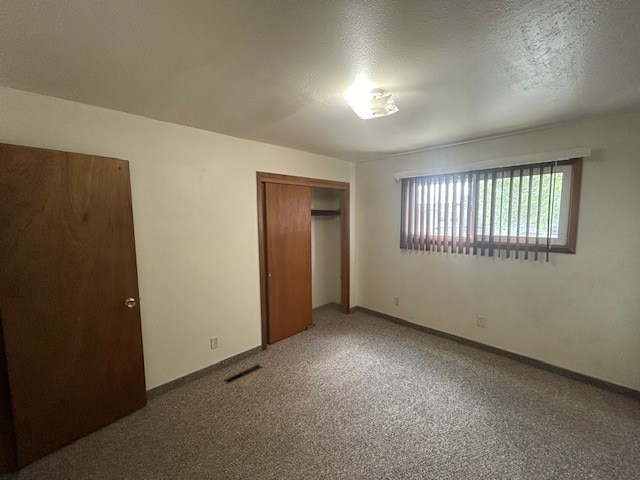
point(325, 246)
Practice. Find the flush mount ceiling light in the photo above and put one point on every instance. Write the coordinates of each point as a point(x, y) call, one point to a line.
point(369, 102)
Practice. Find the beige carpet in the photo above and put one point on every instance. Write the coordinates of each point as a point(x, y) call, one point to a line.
point(359, 397)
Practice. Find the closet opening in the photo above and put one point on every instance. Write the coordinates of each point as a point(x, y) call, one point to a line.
point(325, 246)
point(303, 235)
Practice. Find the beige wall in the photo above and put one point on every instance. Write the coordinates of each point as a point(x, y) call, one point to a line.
point(194, 202)
point(581, 311)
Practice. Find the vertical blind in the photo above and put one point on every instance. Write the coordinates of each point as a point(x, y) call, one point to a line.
point(506, 211)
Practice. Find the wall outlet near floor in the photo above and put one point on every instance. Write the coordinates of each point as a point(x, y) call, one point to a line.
point(214, 343)
point(481, 320)
point(396, 300)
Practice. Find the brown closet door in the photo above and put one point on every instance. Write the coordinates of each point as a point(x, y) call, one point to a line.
point(288, 227)
point(67, 264)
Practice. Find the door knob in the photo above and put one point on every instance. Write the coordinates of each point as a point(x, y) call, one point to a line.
point(130, 302)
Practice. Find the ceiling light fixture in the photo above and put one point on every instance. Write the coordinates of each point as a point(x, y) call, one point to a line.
point(369, 102)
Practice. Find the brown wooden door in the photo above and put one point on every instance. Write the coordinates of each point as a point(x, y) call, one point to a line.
point(288, 243)
point(67, 264)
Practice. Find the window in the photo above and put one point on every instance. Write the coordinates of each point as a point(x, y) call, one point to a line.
point(515, 211)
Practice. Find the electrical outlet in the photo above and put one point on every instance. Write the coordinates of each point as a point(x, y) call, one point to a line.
point(396, 301)
point(481, 320)
point(214, 343)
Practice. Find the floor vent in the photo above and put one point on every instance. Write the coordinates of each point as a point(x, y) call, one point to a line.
point(243, 373)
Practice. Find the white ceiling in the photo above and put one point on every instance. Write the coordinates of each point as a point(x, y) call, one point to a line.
point(276, 71)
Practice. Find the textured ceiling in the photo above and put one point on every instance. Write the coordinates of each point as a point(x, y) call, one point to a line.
point(276, 71)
